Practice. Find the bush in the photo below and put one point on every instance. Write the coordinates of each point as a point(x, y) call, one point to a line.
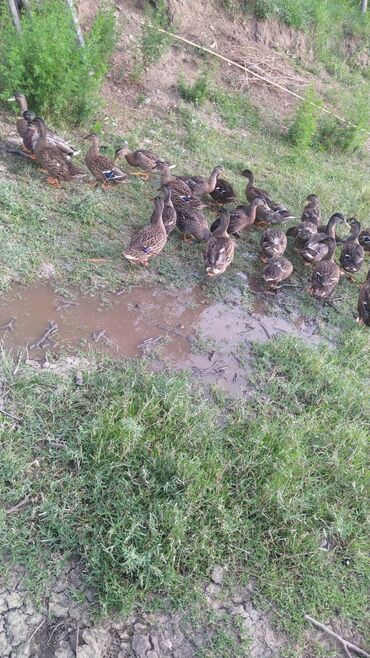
point(196, 93)
point(154, 43)
point(60, 79)
point(303, 128)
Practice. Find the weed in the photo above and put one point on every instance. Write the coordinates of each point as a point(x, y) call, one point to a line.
point(60, 79)
point(302, 130)
point(154, 43)
point(196, 93)
point(334, 135)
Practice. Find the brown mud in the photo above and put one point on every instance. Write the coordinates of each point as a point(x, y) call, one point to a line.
point(182, 330)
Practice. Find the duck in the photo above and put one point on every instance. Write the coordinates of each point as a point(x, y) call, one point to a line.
point(178, 186)
point(150, 240)
point(199, 185)
point(241, 217)
point(317, 247)
point(277, 270)
point(326, 273)
point(273, 243)
point(169, 214)
point(223, 193)
point(140, 159)
point(309, 224)
point(364, 239)
point(52, 159)
point(101, 167)
point(252, 192)
point(192, 223)
point(220, 248)
point(363, 305)
point(23, 125)
point(352, 254)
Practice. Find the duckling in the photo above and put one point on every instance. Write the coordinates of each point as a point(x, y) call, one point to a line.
point(220, 248)
point(200, 185)
point(101, 167)
point(352, 254)
point(363, 305)
point(240, 218)
point(141, 159)
point(326, 273)
point(52, 139)
point(308, 226)
point(150, 240)
point(169, 212)
point(192, 223)
point(277, 270)
point(252, 192)
point(273, 243)
point(317, 247)
point(223, 193)
point(364, 239)
point(52, 159)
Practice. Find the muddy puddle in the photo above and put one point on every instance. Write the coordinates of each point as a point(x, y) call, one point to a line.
point(182, 330)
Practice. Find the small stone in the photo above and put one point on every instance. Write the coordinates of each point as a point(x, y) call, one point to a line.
point(147, 101)
point(213, 590)
point(58, 605)
point(139, 627)
point(14, 600)
point(217, 575)
point(96, 641)
point(140, 645)
point(64, 650)
point(18, 630)
point(46, 271)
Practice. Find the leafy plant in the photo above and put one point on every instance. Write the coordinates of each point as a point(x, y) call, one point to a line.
point(196, 93)
point(154, 43)
point(334, 135)
point(44, 61)
point(303, 127)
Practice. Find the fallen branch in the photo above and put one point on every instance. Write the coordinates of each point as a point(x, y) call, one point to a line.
point(50, 331)
point(18, 506)
point(35, 631)
point(346, 646)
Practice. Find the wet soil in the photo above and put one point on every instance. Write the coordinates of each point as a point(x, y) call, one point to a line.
point(182, 330)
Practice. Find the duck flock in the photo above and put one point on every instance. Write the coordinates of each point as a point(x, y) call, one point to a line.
point(181, 203)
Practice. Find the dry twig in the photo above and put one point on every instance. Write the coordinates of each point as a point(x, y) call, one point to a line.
point(346, 646)
point(50, 331)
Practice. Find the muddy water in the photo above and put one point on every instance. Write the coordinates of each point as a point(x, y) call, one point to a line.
point(211, 340)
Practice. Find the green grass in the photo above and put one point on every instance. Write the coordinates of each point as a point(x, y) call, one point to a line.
point(133, 474)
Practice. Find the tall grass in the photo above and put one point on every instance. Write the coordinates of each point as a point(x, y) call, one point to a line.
point(44, 61)
point(136, 476)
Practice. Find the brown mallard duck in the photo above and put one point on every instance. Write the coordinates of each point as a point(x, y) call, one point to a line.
point(179, 187)
point(364, 239)
point(252, 192)
point(326, 273)
point(352, 254)
point(23, 125)
point(101, 167)
point(223, 193)
point(240, 218)
point(150, 240)
point(52, 159)
point(140, 159)
point(317, 247)
point(169, 212)
point(273, 243)
point(308, 226)
point(200, 185)
point(277, 270)
point(192, 223)
point(363, 305)
point(220, 248)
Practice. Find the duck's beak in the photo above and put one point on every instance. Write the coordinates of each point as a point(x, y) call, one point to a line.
point(171, 166)
point(12, 99)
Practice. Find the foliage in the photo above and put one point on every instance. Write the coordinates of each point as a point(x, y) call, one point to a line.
point(136, 476)
point(196, 93)
point(60, 79)
point(153, 43)
point(303, 127)
point(334, 135)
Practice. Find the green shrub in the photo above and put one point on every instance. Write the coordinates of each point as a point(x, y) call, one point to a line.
point(60, 79)
point(303, 127)
point(196, 93)
point(334, 135)
point(153, 43)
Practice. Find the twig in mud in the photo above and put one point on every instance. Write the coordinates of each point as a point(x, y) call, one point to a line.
point(211, 367)
point(346, 646)
point(97, 335)
point(66, 305)
point(174, 331)
point(149, 342)
point(77, 638)
point(9, 415)
point(9, 326)
point(19, 505)
point(35, 631)
point(264, 328)
point(329, 303)
point(50, 331)
point(53, 631)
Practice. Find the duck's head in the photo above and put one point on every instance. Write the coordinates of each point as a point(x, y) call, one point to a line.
point(247, 173)
point(29, 116)
point(312, 198)
point(92, 137)
point(122, 150)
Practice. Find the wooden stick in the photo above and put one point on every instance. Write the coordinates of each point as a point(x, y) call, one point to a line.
point(52, 329)
point(346, 646)
point(15, 15)
point(35, 631)
point(80, 36)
